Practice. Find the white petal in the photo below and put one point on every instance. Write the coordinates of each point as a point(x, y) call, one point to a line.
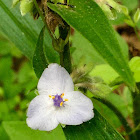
point(55, 79)
point(41, 114)
point(76, 110)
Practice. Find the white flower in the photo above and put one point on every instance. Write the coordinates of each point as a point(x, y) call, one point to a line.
point(57, 101)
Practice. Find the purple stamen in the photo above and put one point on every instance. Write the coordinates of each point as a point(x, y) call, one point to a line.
point(57, 100)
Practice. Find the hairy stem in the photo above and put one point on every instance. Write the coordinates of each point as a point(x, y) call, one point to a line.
point(42, 17)
point(65, 59)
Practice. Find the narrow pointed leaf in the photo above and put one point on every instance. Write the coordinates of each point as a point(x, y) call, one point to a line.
point(24, 31)
point(89, 20)
point(39, 58)
point(96, 129)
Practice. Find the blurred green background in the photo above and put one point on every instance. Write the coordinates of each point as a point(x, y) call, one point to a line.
point(17, 83)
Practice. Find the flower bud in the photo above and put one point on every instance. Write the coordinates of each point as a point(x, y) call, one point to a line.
point(137, 16)
point(26, 6)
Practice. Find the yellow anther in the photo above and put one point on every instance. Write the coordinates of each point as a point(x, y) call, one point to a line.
point(61, 103)
point(53, 97)
point(65, 99)
point(62, 95)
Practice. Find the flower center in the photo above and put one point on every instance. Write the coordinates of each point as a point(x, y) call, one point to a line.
point(58, 100)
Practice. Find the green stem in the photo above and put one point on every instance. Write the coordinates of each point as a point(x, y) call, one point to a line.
point(136, 32)
point(134, 26)
point(65, 59)
point(119, 115)
point(67, 56)
point(136, 95)
point(135, 129)
point(61, 59)
point(136, 110)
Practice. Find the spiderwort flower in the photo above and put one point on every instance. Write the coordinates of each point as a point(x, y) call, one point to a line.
point(57, 101)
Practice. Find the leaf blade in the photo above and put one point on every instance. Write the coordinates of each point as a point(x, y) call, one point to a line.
point(24, 132)
point(24, 31)
point(95, 129)
point(20, 28)
point(88, 19)
point(39, 59)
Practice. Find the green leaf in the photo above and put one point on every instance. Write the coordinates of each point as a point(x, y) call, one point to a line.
point(119, 20)
point(124, 46)
point(135, 67)
point(3, 135)
point(20, 131)
point(110, 13)
point(96, 129)
point(24, 31)
point(3, 109)
point(128, 103)
point(124, 10)
point(26, 6)
point(6, 73)
point(129, 22)
point(26, 73)
point(122, 102)
point(88, 19)
point(137, 16)
point(17, 28)
point(4, 44)
point(81, 46)
point(56, 1)
point(39, 59)
point(107, 113)
point(102, 89)
point(104, 71)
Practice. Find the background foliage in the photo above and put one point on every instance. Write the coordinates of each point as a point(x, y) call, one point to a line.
point(26, 49)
